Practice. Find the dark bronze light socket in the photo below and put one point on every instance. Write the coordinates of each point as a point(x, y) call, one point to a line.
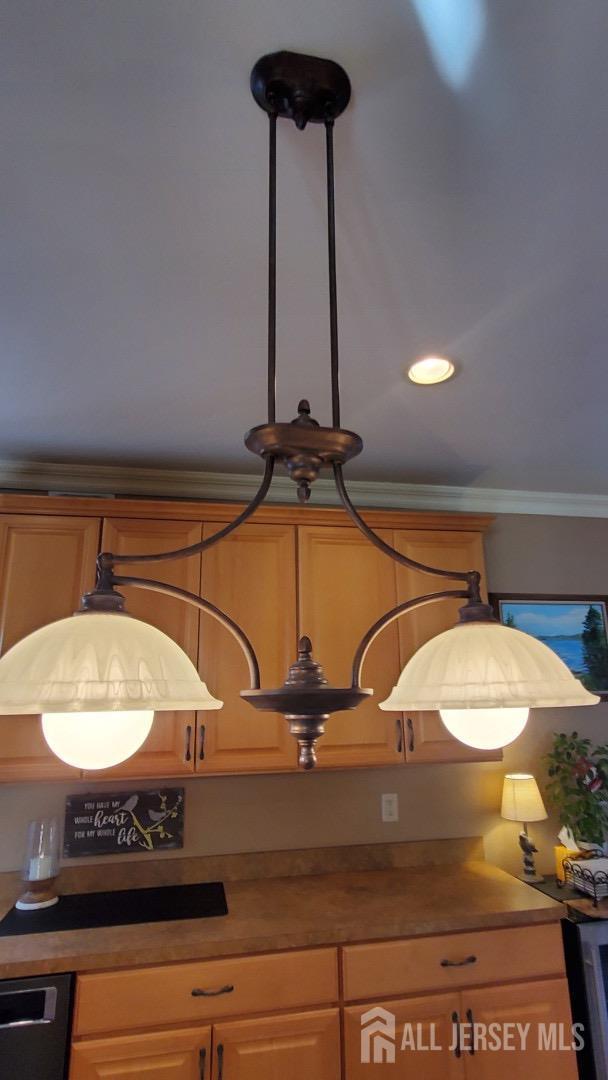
point(306, 700)
point(304, 447)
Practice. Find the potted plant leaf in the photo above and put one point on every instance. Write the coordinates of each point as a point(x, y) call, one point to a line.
point(577, 788)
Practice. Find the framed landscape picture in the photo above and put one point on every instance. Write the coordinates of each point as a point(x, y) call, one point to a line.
point(575, 627)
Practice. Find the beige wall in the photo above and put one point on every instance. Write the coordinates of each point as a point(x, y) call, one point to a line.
point(524, 553)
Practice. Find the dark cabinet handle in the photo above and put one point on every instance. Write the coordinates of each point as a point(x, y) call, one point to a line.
point(459, 963)
point(201, 746)
point(220, 1062)
point(212, 993)
point(470, 1022)
point(410, 735)
point(399, 736)
point(202, 1061)
point(188, 750)
point(456, 1026)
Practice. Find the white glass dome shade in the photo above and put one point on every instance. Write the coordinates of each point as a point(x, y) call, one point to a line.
point(99, 662)
point(484, 665)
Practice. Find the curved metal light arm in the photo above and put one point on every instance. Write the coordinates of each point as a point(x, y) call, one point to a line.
point(108, 559)
point(472, 577)
point(389, 617)
point(206, 606)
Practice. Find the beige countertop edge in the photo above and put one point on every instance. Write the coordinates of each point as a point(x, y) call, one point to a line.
point(289, 913)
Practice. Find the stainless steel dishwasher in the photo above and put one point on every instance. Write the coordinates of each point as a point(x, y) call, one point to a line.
point(35, 1018)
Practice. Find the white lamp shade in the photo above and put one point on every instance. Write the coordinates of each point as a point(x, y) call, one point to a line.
point(521, 799)
point(99, 662)
point(484, 665)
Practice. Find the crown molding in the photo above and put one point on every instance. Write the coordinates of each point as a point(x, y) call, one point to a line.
point(38, 476)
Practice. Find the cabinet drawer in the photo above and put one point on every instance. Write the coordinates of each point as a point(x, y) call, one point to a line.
point(451, 961)
point(148, 997)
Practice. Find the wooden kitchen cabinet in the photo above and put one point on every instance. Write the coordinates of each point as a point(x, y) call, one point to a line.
point(181, 1054)
point(445, 1020)
point(345, 584)
point(294, 570)
point(169, 749)
point(46, 564)
point(545, 1006)
point(373, 1044)
point(426, 738)
point(301, 1046)
point(252, 577)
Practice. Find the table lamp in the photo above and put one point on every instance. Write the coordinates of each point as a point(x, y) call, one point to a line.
point(522, 801)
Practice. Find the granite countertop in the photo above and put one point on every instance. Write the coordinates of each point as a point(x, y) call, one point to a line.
point(307, 909)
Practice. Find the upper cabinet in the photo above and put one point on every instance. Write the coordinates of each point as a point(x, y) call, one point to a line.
point(345, 584)
point(252, 577)
point(169, 749)
point(426, 738)
point(292, 571)
point(46, 564)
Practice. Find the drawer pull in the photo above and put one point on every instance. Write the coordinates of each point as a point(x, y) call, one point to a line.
point(187, 748)
point(212, 993)
point(398, 736)
point(202, 1061)
point(220, 1062)
point(456, 1027)
point(459, 963)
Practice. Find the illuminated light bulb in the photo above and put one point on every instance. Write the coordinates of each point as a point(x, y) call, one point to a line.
point(96, 740)
point(485, 729)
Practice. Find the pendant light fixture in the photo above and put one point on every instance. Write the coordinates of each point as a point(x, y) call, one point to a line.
point(98, 677)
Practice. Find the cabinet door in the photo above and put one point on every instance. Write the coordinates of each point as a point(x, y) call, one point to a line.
point(252, 577)
point(545, 1007)
point(402, 1039)
point(426, 738)
point(301, 1046)
point(345, 585)
point(169, 748)
point(183, 1054)
point(46, 563)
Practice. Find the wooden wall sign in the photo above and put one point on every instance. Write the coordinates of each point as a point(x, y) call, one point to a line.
point(107, 823)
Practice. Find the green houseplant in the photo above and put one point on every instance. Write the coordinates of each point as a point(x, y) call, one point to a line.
point(577, 787)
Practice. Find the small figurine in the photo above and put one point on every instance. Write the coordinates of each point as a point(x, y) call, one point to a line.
point(529, 851)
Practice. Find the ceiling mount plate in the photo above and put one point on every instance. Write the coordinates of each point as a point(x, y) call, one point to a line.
point(299, 87)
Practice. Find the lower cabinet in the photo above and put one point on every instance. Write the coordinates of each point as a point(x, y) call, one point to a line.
point(373, 1035)
point(184, 1054)
point(422, 1008)
point(511, 1032)
point(303, 1046)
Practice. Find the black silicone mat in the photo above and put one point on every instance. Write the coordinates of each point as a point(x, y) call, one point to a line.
point(81, 911)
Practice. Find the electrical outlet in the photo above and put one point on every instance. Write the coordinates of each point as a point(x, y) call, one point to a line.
point(390, 807)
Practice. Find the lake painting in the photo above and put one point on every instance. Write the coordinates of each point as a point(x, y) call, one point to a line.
point(575, 629)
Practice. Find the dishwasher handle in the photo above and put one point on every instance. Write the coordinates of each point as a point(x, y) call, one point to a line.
point(24, 1008)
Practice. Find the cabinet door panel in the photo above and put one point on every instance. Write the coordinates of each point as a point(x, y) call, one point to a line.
point(302, 1046)
point(46, 563)
point(182, 1054)
point(345, 585)
point(426, 738)
point(545, 1006)
point(169, 748)
point(418, 1045)
point(252, 577)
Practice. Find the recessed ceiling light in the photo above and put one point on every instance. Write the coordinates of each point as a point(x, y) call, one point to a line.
point(430, 370)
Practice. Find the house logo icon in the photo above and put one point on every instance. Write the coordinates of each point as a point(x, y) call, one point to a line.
point(377, 1037)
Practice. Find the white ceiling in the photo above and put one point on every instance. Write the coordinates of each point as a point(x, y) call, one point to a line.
point(472, 182)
